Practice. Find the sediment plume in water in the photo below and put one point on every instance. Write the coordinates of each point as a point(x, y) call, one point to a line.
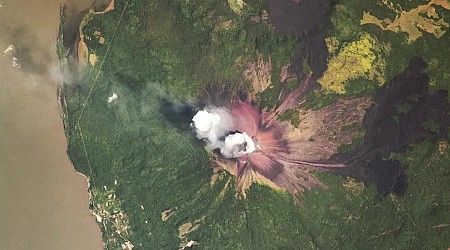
point(44, 202)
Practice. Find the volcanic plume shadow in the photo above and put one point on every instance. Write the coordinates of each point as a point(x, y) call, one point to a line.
point(216, 94)
point(178, 114)
point(390, 131)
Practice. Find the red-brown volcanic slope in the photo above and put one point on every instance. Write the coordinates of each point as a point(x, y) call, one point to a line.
point(286, 156)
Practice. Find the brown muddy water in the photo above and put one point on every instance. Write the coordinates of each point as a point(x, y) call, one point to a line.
point(43, 201)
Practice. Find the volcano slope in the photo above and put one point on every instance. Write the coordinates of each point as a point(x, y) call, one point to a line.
point(153, 185)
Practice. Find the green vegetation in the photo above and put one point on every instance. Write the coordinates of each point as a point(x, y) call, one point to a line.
point(348, 127)
point(349, 147)
point(142, 165)
point(403, 108)
point(432, 126)
point(291, 115)
point(153, 37)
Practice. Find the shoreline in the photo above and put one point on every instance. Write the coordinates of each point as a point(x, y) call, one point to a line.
point(81, 52)
point(81, 48)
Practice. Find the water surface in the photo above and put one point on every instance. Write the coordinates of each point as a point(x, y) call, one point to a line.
point(44, 202)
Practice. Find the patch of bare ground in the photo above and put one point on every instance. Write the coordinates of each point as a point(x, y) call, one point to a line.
point(108, 212)
point(166, 214)
point(259, 73)
point(413, 22)
point(286, 75)
point(83, 51)
point(187, 228)
point(319, 133)
point(108, 8)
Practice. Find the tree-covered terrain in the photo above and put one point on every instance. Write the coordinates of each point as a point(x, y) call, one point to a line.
point(151, 181)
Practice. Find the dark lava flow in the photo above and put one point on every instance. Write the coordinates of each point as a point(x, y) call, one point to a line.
point(388, 131)
point(309, 21)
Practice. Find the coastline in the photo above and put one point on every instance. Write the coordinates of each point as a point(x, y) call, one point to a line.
point(82, 58)
point(81, 48)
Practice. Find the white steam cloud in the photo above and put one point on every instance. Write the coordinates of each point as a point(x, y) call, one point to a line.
point(215, 126)
point(11, 51)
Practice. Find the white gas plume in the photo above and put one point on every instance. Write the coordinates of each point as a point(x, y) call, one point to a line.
point(212, 125)
point(215, 125)
point(237, 145)
point(8, 50)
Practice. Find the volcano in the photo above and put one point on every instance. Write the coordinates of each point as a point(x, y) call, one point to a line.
point(255, 146)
